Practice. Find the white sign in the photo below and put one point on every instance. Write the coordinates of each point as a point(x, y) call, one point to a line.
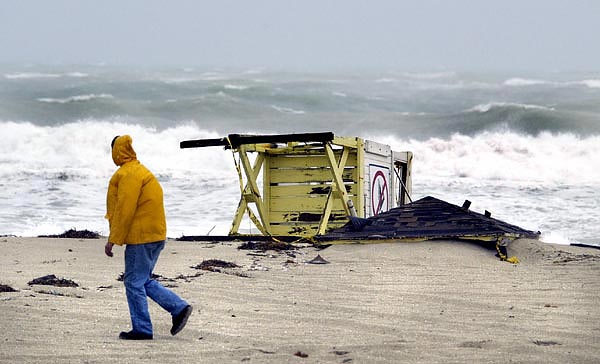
point(380, 189)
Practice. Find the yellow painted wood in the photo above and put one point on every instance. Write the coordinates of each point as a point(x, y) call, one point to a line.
point(350, 142)
point(296, 229)
point(251, 193)
point(238, 216)
point(338, 189)
point(359, 191)
point(267, 197)
point(306, 190)
point(309, 175)
point(306, 161)
point(310, 216)
point(299, 229)
point(303, 204)
point(305, 187)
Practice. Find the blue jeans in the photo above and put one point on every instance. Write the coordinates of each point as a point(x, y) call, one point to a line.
point(140, 260)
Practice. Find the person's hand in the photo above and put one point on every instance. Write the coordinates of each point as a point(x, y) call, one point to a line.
point(108, 249)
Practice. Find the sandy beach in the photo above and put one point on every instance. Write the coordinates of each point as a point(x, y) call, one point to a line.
point(429, 302)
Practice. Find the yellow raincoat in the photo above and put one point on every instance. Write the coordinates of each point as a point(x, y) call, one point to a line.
point(134, 202)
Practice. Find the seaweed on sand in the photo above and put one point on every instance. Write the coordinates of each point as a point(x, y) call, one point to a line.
point(74, 234)
point(52, 280)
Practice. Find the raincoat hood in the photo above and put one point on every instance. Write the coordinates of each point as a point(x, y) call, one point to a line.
point(122, 150)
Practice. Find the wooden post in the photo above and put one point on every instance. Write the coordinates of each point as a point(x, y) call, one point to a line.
point(251, 194)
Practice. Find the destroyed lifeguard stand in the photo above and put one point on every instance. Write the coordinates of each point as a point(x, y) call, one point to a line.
point(312, 182)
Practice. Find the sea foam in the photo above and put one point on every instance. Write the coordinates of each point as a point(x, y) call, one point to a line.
point(524, 82)
point(483, 108)
point(76, 98)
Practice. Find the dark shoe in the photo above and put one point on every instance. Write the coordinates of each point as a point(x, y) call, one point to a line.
point(134, 336)
point(180, 320)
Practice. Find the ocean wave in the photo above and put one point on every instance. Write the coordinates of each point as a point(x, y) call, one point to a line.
point(30, 75)
point(77, 98)
point(591, 83)
point(386, 80)
point(41, 75)
point(287, 110)
point(235, 87)
point(430, 75)
point(77, 74)
point(483, 108)
point(524, 82)
point(421, 77)
point(543, 160)
point(531, 179)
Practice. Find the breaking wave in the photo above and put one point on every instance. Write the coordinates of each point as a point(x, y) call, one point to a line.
point(77, 98)
point(523, 82)
point(58, 185)
point(235, 87)
point(483, 108)
point(288, 110)
point(41, 75)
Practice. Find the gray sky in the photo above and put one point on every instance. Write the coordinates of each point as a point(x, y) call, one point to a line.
point(306, 34)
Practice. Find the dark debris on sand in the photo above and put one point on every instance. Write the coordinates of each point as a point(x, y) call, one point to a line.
point(212, 264)
point(157, 277)
point(5, 288)
point(266, 245)
point(216, 265)
point(52, 280)
point(74, 234)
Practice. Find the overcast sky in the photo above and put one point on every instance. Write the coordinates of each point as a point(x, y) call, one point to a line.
point(306, 34)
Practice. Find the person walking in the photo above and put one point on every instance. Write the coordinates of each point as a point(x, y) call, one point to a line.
point(136, 217)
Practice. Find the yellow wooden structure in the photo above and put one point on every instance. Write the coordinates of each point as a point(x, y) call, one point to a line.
point(300, 184)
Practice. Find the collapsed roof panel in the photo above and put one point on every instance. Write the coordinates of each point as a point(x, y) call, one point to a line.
point(425, 219)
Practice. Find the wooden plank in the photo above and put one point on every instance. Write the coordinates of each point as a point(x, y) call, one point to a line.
point(237, 140)
point(309, 175)
point(350, 142)
point(305, 190)
point(303, 204)
point(304, 161)
point(300, 229)
point(305, 216)
point(297, 229)
point(338, 175)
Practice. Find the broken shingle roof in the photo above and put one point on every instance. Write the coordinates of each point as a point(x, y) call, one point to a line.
point(424, 219)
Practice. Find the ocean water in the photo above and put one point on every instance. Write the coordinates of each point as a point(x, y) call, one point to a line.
point(524, 146)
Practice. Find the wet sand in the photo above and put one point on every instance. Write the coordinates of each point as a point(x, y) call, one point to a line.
point(429, 302)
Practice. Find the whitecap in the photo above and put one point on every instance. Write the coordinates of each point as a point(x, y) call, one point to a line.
point(386, 80)
point(30, 75)
point(235, 87)
point(257, 71)
point(287, 110)
point(77, 74)
point(410, 113)
point(591, 83)
point(40, 75)
point(77, 98)
point(524, 82)
point(483, 108)
point(430, 75)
